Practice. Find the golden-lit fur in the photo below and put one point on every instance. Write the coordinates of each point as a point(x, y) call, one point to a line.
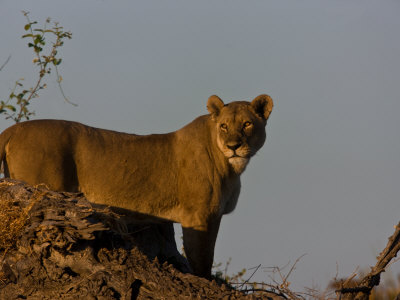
point(190, 176)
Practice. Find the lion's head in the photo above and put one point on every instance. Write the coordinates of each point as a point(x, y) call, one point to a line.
point(240, 127)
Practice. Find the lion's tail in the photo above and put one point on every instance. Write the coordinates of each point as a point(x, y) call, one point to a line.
point(4, 138)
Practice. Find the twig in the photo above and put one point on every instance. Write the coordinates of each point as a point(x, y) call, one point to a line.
point(279, 293)
point(246, 281)
point(60, 87)
point(294, 267)
point(6, 62)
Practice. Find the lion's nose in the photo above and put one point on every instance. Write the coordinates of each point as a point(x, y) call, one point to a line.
point(234, 145)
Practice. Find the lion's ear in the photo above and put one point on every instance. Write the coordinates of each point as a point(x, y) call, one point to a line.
point(263, 105)
point(214, 105)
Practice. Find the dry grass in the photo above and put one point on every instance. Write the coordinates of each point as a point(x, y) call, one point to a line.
point(13, 218)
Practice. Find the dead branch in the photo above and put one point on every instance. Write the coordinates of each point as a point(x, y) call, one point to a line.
point(6, 62)
point(363, 289)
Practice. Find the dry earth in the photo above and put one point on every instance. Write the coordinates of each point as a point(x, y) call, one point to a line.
point(58, 246)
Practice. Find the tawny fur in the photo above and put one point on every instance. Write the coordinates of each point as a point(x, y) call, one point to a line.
point(190, 176)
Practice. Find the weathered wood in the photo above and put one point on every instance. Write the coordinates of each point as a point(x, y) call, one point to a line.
point(363, 288)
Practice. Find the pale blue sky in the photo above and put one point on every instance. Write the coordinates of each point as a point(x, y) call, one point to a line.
point(326, 183)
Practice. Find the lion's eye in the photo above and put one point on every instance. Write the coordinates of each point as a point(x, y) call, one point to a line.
point(224, 126)
point(246, 124)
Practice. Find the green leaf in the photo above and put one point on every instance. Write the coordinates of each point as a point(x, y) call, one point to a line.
point(10, 107)
point(38, 49)
point(27, 26)
point(37, 39)
point(56, 62)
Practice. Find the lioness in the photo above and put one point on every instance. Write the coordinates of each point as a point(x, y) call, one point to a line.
point(190, 176)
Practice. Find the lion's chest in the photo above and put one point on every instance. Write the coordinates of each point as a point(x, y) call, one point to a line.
point(230, 195)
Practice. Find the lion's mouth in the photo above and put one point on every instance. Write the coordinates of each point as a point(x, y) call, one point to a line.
point(238, 158)
point(238, 163)
point(239, 155)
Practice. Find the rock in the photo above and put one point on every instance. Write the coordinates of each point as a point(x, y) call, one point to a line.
point(68, 249)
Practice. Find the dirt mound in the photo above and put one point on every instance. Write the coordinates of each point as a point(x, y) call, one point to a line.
point(58, 246)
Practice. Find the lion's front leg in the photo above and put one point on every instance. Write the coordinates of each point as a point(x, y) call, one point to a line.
point(199, 245)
